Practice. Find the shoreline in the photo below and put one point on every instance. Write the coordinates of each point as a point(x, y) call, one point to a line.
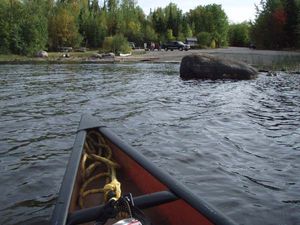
point(260, 59)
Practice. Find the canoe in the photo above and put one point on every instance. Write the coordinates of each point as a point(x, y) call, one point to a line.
point(109, 182)
point(125, 54)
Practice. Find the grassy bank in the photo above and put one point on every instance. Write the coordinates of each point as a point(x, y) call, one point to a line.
point(73, 57)
point(13, 58)
point(262, 60)
point(292, 67)
point(51, 56)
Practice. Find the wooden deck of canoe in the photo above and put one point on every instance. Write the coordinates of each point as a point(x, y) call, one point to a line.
point(163, 200)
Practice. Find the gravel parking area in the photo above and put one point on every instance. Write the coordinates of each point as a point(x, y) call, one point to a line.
point(253, 57)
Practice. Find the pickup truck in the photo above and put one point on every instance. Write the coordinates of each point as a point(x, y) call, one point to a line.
point(175, 45)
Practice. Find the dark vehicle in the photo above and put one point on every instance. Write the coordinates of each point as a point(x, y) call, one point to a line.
point(65, 49)
point(175, 45)
point(252, 46)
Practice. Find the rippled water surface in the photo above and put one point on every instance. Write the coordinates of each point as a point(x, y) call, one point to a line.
point(235, 144)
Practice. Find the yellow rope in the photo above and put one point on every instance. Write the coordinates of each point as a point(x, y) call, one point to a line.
point(114, 186)
point(98, 155)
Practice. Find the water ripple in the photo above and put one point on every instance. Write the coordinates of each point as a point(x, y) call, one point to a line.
point(235, 144)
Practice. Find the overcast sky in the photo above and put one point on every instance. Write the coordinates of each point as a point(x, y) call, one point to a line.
point(236, 10)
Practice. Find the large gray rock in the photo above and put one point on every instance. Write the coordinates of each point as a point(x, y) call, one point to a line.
point(211, 67)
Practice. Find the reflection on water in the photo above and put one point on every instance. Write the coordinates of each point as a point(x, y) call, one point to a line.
point(235, 144)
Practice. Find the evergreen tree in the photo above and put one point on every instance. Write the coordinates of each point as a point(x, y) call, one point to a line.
point(23, 26)
point(204, 39)
point(186, 27)
point(92, 25)
point(113, 15)
point(34, 27)
point(239, 34)
point(298, 31)
point(291, 8)
point(131, 25)
point(14, 13)
point(63, 27)
point(4, 27)
point(275, 26)
point(174, 18)
point(158, 20)
point(27, 26)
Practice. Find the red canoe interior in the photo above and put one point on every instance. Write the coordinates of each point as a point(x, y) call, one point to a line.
point(136, 180)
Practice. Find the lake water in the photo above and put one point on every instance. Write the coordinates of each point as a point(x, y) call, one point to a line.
point(234, 144)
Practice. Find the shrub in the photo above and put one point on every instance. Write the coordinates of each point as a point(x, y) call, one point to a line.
point(213, 44)
point(204, 39)
point(116, 44)
point(239, 34)
point(107, 44)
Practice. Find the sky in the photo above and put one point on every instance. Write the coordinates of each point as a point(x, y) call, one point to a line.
point(236, 10)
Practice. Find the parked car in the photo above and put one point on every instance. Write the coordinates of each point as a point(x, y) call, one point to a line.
point(252, 46)
point(175, 45)
point(65, 49)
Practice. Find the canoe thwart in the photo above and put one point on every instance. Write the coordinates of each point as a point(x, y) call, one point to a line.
point(142, 202)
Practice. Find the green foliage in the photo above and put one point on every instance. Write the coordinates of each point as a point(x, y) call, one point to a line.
point(158, 20)
point(112, 5)
point(275, 26)
point(120, 44)
point(169, 35)
point(269, 25)
point(131, 21)
point(92, 27)
point(107, 44)
point(298, 31)
point(63, 28)
point(27, 26)
point(213, 44)
point(116, 44)
point(186, 28)
point(292, 11)
point(204, 39)
point(239, 34)
point(174, 18)
point(211, 19)
point(181, 37)
point(11, 16)
point(34, 29)
point(4, 28)
point(149, 34)
point(169, 23)
point(23, 26)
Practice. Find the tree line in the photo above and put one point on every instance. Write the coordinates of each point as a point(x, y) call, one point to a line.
point(277, 24)
point(27, 26)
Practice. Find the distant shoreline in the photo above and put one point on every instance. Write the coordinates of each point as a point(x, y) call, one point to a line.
point(261, 59)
